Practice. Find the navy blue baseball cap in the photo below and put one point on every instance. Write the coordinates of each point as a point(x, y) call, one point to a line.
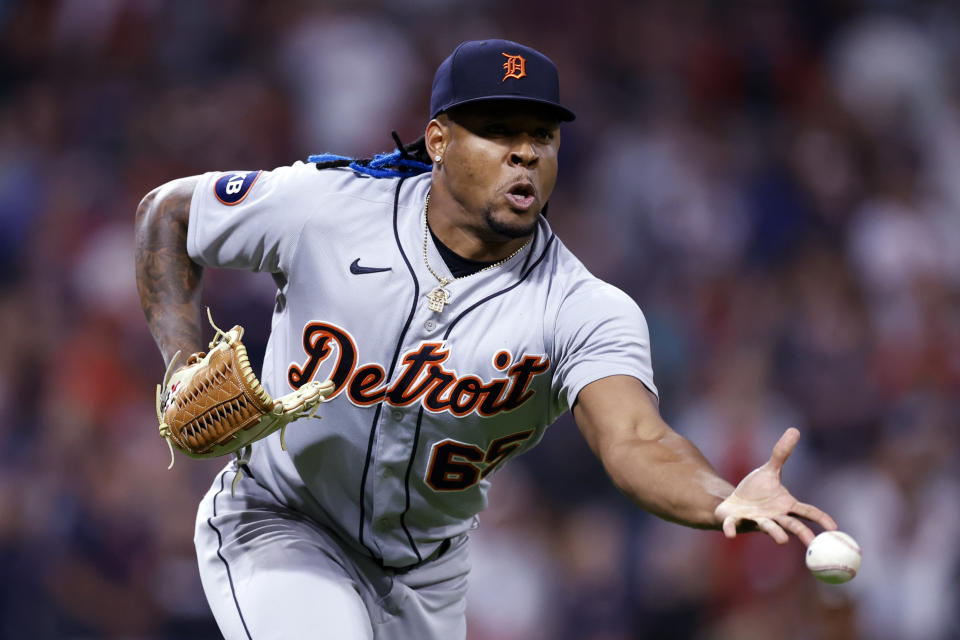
point(481, 70)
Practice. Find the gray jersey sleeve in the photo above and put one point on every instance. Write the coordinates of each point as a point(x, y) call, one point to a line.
point(253, 219)
point(600, 332)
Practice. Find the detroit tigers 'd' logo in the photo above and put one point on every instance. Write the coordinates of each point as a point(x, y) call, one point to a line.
point(514, 67)
point(422, 377)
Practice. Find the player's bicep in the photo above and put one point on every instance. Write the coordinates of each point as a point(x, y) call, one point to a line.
point(168, 204)
point(161, 228)
point(617, 409)
point(600, 332)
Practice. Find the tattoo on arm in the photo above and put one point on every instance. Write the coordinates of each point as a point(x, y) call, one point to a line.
point(168, 281)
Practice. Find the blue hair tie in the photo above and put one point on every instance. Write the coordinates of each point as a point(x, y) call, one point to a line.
point(383, 165)
point(326, 157)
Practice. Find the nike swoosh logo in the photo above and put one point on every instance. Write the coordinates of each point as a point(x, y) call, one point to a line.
point(356, 269)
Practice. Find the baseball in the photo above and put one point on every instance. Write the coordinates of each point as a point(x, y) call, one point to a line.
point(833, 557)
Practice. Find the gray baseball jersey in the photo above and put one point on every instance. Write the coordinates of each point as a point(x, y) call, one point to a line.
point(428, 405)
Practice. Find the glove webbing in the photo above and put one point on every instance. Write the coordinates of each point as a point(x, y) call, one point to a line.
point(210, 427)
point(207, 430)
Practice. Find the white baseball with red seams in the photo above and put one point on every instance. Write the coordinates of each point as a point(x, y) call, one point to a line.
point(834, 557)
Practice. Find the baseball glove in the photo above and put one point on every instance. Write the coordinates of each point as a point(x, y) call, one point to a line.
point(214, 405)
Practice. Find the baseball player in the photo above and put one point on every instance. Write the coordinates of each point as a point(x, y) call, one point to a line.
point(455, 328)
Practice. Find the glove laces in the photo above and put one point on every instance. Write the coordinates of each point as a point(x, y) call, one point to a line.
point(162, 393)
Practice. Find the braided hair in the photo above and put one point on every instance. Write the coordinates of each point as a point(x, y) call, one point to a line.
point(405, 161)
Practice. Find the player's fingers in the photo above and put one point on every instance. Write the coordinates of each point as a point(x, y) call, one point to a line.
point(772, 529)
point(814, 514)
point(730, 527)
point(797, 528)
point(783, 448)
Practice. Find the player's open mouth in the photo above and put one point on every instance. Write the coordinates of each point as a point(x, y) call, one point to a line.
point(521, 196)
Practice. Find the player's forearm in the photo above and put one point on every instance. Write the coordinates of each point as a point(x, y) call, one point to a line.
point(168, 281)
point(668, 477)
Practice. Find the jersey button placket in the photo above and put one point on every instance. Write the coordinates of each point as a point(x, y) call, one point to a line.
point(387, 492)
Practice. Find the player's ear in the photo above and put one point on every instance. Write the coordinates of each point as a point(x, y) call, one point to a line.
point(435, 138)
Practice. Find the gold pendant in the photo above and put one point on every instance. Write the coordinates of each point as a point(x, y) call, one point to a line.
point(438, 297)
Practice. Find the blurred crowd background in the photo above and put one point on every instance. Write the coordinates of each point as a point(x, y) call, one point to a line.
point(776, 183)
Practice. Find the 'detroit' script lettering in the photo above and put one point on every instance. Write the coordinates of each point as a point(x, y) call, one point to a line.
point(422, 377)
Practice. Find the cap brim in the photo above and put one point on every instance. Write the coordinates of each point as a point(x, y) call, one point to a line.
point(563, 114)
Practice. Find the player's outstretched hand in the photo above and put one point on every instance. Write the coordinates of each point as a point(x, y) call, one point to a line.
point(761, 503)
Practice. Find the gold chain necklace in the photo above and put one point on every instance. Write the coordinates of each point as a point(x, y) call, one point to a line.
point(440, 296)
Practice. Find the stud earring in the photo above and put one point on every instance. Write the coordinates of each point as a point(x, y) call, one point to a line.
point(437, 158)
